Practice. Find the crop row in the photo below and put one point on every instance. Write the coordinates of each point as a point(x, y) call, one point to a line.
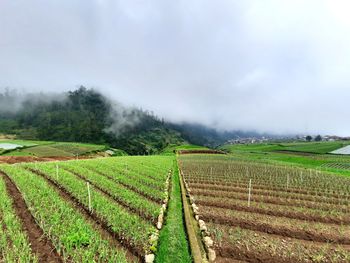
point(252, 246)
point(269, 174)
point(273, 204)
point(273, 200)
point(301, 229)
point(137, 185)
point(227, 185)
point(256, 189)
point(14, 243)
point(74, 238)
point(130, 199)
point(130, 229)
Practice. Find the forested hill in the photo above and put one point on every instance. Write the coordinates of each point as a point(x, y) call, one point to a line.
point(85, 115)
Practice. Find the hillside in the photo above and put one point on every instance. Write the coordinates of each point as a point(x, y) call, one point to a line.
point(84, 115)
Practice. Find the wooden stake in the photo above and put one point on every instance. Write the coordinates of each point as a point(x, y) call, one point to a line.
point(249, 191)
point(56, 171)
point(89, 194)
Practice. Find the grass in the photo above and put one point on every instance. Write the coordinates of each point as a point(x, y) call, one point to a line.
point(317, 147)
point(46, 151)
point(173, 245)
point(50, 148)
point(26, 143)
point(307, 147)
point(292, 154)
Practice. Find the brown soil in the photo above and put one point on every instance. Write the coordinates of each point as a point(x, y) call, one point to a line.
point(271, 229)
point(114, 199)
point(262, 248)
point(228, 253)
point(28, 159)
point(272, 200)
point(39, 243)
point(280, 193)
point(263, 186)
point(200, 152)
point(285, 213)
point(132, 252)
point(228, 260)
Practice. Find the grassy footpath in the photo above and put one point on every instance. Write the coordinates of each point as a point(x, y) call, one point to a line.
point(173, 244)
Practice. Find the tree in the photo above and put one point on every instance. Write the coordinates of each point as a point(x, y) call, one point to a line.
point(308, 138)
point(318, 138)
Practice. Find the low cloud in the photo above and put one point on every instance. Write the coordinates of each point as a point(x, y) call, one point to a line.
point(275, 66)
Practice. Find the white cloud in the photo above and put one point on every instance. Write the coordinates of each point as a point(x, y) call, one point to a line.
point(278, 66)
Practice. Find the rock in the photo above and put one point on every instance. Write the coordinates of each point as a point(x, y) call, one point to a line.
point(196, 217)
point(149, 258)
point(164, 207)
point(211, 255)
point(202, 225)
point(160, 221)
point(208, 242)
point(153, 238)
point(159, 225)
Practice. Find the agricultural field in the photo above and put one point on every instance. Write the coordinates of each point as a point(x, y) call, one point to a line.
point(261, 212)
point(98, 210)
point(302, 147)
point(56, 149)
point(274, 153)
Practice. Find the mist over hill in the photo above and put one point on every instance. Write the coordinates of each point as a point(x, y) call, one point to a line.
point(86, 115)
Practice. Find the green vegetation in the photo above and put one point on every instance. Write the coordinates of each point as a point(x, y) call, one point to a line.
point(307, 155)
point(123, 195)
point(53, 149)
point(307, 147)
point(85, 115)
point(72, 236)
point(14, 244)
point(173, 246)
point(315, 147)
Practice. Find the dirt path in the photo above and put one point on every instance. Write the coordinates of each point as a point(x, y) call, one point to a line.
point(27, 159)
point(40, 245)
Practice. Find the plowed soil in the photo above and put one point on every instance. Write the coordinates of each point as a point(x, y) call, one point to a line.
point(28, 159)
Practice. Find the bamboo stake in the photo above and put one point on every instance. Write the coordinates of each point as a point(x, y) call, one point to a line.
point(249, 191)
point(89, 194)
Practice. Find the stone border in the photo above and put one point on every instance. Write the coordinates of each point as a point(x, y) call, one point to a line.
point(153, 240)
point(206, 239)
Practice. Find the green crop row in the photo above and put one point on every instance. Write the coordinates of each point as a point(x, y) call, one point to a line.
point(131, 199)
point(73, 237)
point(149, 175)
point(129, 228)
point(124, 178)
point(14, 244)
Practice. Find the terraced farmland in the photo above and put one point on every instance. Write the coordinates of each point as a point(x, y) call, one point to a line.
point(101, 210)
point(266, 213)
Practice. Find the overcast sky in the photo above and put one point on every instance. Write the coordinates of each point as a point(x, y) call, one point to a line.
point(266, 65)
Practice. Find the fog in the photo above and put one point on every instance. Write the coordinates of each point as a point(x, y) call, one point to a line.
point(270, 66)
